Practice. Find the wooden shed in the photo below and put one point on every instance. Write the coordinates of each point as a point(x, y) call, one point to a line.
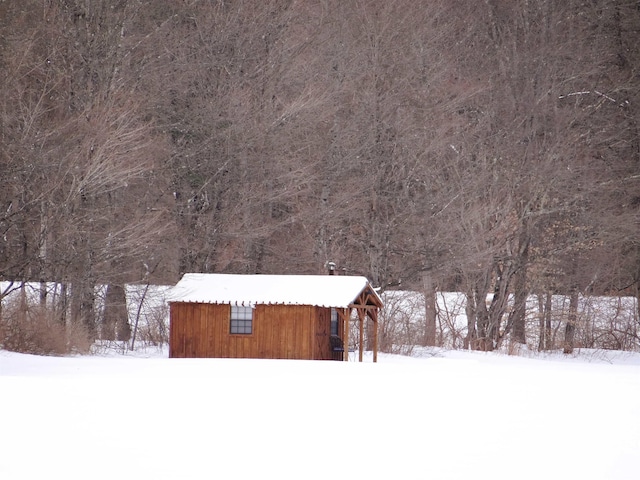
point(270, 316)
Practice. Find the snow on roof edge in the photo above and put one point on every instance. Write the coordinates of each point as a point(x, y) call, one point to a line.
point(315, 290)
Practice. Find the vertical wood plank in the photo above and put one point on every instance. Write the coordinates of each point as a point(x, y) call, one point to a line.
point(201, 331)
point(209, 318)
point(172, 329)
point(307, 332)
point(296, 324)
point(222, 330)
point(185, 328)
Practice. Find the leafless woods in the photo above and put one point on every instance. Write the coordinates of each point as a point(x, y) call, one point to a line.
point(487, 148)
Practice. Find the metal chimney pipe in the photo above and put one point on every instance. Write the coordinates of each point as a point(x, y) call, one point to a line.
point(331, 267)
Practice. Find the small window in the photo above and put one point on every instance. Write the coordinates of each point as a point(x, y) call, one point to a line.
point(334, 322)
point(241, 320)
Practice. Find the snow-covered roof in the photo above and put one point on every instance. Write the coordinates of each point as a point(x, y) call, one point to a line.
point(316, 290)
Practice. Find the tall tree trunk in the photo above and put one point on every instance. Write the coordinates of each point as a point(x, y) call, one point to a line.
point(472, 335)
point(429, 309)
point(570, 329)
point(483, 343)
point(541, 329)
point(549, 339)
point(24, 304)
point(518, 314)
point(498, 306)
point(82, 306)
point(544, 312)
point(141, 301)
point(43, 293)
point(61, 305)
point(115, 323)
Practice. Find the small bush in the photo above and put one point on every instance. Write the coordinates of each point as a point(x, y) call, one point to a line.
point(36, 330)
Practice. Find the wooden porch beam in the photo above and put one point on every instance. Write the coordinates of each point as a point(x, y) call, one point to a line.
point(374, 318)
point(345, 314)
point(364, 307)
point(361, 318)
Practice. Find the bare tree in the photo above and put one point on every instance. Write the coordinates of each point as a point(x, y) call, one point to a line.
point(486, 148)
point(84, 154)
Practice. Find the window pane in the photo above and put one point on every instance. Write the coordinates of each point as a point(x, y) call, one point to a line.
point(241, 320)
point(334, 322)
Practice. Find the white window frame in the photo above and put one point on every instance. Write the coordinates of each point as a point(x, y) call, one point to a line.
point(241, 320)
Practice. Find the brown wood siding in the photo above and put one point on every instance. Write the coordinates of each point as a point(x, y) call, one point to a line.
point(176, 337)
point(194, 329)
point(283, 331)
point(322, 328)
point(279, 331)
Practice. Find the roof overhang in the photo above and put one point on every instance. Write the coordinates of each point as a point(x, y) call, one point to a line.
point(316, 290)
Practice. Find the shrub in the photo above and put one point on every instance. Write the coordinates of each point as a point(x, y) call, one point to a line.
point(37, 330)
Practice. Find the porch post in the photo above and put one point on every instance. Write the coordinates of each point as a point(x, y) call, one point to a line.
point(345, 350)
point(373, 314)
point(361, 317)
point(374, 317)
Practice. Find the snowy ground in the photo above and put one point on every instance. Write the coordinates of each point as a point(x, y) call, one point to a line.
point(455, 415)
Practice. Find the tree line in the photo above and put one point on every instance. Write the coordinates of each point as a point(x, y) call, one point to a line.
point(488, 148)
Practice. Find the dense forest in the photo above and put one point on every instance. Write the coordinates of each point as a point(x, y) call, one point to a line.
point(483, 147)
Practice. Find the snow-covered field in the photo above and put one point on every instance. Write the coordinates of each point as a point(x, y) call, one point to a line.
point(453, 415)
